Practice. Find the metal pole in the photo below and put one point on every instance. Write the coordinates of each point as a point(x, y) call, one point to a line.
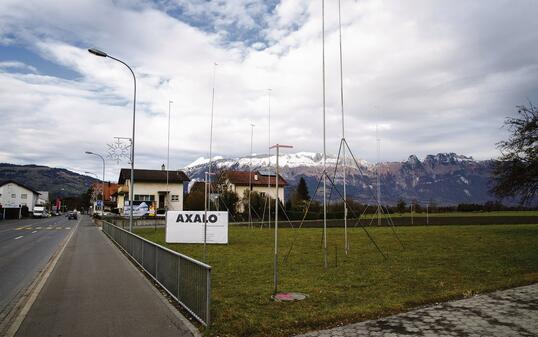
point(103, 182)
point(168, 157)
point(205, 216)
point(346, 245)
point(269, 158)
point(324, 139)
point(427, 214)
point(378, 178)
point(103, 192)
point(208, 181)
point(276, 223)
point(275, 273)
point(250, 176)
point(131, 185)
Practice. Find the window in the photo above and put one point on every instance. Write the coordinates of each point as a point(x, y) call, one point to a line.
point(24, 196)
point(144, 197)
point(175, 197)
point(13, 196)
point(262, 194)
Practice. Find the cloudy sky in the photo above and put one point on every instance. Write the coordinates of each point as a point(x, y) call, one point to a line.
point(436, 76)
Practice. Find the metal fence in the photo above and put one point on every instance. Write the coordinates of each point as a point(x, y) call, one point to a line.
point(187, 280)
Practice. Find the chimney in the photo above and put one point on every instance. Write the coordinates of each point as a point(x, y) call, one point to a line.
point(163, 167)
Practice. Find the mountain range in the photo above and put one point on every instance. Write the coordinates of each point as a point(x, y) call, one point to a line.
point(444, 178)
point(58, 181)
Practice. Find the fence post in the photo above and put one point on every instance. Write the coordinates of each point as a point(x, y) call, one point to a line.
point(208, 297)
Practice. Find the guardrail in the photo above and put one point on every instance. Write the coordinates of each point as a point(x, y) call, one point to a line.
point(187, 280)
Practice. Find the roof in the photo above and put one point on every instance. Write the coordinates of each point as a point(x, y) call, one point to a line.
point(242, 178)
point(154, 176)
point(5, 182)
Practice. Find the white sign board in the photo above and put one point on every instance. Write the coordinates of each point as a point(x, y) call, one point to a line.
point(188, 227)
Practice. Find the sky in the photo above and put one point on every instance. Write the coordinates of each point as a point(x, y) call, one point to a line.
point(433, 76)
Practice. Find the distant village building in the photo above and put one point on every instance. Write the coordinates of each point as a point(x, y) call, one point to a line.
point(43, 198)
point(14, 196)
point(150, 188)
point(111, 194)
point(262, 183)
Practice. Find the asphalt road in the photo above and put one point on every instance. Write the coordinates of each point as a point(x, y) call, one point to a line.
point(25, 247)
point(94, 290)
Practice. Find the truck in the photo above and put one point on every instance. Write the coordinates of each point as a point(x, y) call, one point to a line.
point(39, 212)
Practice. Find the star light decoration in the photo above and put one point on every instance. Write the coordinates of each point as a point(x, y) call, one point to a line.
point(119, 150)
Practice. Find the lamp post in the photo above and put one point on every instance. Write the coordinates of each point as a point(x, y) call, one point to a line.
point(93, 175)
point(103, 188)
point(100, 53)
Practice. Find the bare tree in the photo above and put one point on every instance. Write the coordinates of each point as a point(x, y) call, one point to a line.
point(515, 174)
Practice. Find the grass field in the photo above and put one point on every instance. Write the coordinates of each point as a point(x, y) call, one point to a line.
point(438, 263)
point(461, 214)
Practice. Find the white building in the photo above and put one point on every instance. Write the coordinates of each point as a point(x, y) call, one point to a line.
point(14, 196)
point(264, 184)
point(150, 188)
point(43, 198)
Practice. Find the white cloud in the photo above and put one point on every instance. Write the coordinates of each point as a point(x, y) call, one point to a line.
point(437, 76)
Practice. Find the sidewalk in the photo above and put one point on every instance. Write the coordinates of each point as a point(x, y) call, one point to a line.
point(95, 291)
point(512, 312)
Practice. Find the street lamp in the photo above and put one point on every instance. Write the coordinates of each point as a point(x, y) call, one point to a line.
point(103, 189)
point(96, 177)
point(100, 53)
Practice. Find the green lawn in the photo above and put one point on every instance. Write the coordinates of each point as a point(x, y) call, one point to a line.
point(462, 214)
point(438, 263)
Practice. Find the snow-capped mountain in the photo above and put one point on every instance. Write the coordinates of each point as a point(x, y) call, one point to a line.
point(444, 178)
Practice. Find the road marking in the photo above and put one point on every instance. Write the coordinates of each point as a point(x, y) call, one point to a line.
point(38, 228)
point(49, 227)
point(67, 227)
point(18, 237)
point(58, 227)
point(34, 232)
point(28, 228)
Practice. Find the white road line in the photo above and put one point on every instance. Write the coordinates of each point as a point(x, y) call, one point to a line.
point(18, 237)
point(34, 232)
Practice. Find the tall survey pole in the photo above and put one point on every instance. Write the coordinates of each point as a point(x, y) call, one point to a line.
point(269, 157)
point(346, 243)
point(168, 155)
point(208, 182)
point(250, 176)
point(275, 274)
point(324, 139)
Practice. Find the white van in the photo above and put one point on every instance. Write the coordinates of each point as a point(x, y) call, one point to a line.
point(39, 212)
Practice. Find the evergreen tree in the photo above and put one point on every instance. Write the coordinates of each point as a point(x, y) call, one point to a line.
point(302, 190)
